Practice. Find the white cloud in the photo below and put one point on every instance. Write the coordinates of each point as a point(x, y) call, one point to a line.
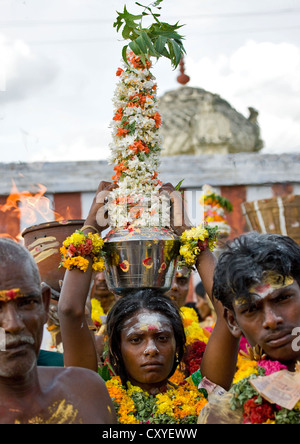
point(86, 143)
point(265, 76)
point(24, 72)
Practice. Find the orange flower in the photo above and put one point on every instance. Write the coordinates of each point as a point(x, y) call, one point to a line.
point(119, 169)
point(157, 118)
point(139, 146)
point(136, 61)
point(118, 115)
point(122, 132)
point(136, 212)
point(119, 72)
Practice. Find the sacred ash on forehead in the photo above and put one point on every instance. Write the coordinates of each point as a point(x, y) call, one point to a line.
point(148, 322)
point(271, 281)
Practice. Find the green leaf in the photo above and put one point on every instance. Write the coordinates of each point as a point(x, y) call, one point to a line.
point(124, 54)
point(104, 373)
point(135, 48)
point(159, 40)
point(142, 44)
point(177, 52)
point(160, 43)
point(148, 43)
point(177, 188)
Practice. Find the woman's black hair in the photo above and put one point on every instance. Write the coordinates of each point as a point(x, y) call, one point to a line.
point(125, 308)
point(247, 258)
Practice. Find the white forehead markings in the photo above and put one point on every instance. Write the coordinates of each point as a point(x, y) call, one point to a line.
point(147, 322)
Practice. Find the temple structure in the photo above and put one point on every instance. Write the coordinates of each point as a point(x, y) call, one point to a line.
point(197, 122)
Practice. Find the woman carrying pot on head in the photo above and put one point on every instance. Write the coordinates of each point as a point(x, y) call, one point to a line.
point(145, 330)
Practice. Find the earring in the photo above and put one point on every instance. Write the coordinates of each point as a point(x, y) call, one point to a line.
point(177, 358)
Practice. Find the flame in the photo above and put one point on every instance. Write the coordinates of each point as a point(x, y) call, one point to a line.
point(32, 208)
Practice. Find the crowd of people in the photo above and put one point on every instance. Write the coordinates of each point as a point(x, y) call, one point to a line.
point(251, 294)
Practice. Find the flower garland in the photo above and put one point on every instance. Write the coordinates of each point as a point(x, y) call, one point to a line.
point(180, 404)
point(255, 409)
point(136, 140)
point(184, 403)
point(135, 149)
point(196, 240)
point(177, 405)
point(78, 246)
point(214, 208)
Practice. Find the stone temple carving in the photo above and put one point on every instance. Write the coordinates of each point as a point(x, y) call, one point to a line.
point(196, 121)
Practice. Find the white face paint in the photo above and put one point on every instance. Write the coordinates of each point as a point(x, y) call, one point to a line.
point(148, 321)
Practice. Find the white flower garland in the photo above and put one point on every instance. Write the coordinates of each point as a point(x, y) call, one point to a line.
point(135, 150)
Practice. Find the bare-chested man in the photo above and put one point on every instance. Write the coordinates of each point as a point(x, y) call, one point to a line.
point(31, 394)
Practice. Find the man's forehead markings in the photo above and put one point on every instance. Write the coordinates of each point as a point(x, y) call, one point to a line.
point(10, 295)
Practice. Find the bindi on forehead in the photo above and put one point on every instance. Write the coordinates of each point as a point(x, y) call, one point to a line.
point(10, 295)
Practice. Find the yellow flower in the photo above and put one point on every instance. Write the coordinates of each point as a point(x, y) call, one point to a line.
point(189, 313)
point(63, 250)
point(97, 311)
point(195, 333)
point(75, 239)
point(127, 410)
point(98, 264)
point(164, 404)
point(76, 262)
point(132, 388)
point(192, 329)
point(245, 369)
point(97, 242)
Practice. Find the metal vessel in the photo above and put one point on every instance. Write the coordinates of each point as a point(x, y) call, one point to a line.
point(44, 241)
point(140, 258)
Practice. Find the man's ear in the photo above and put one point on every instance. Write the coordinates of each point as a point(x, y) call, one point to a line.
point(46, 295)
point(232, 324)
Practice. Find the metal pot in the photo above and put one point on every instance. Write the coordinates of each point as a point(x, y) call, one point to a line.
point(140, 258)
point(44, 242)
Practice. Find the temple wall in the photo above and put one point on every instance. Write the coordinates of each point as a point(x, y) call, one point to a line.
point(70, 186)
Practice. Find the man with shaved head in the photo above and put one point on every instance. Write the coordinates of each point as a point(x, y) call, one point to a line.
point(31, 394)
